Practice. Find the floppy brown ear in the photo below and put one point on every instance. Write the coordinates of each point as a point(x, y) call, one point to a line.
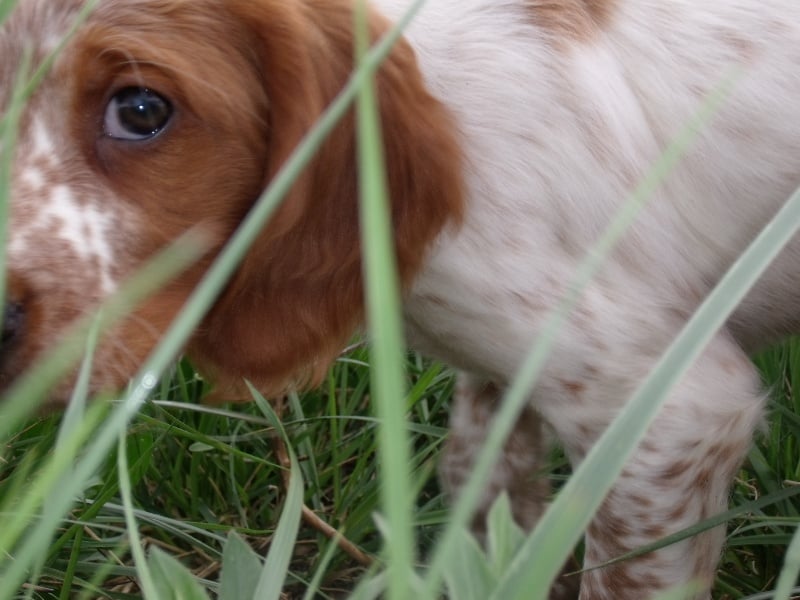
point(297, 298)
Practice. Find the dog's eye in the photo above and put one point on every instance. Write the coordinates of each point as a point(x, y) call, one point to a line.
point(136, 113)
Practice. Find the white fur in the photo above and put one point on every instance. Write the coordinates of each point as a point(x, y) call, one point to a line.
point(60, 212)
point(557, 136)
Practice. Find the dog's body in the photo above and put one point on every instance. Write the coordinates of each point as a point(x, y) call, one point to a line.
point(559, 131)
point(539, 120)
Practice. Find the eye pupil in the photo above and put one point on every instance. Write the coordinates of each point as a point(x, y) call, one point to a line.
point(136, 113)
point(142, 112)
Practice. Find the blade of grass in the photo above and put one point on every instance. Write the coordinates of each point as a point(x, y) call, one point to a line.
point(791, 567)
point(276, 565)
point(383, 310)
point(74, 556)
point(6, 6)
point(241, 567)
point(146, 583)
point(173, 581)
point(36, 533)
point(180, 530)
point(70, 426)
point(93, 589)
point(76, 408)
point(312, 590)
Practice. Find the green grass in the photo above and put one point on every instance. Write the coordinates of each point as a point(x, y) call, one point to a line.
point(198, 472)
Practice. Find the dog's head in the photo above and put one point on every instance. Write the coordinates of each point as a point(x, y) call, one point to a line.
point(158, 116)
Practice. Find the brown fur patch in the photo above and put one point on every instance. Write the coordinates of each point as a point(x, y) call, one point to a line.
point(572, 20)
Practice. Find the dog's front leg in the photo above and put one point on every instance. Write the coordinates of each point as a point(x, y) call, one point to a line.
point(679, 475)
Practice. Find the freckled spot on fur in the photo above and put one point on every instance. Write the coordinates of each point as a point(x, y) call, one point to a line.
point(731, 367)
point(727, 455)
point(705, 565)
point(434, 300)
point(744, 48)
point(705, 476)
point(653, 530)
point(619, 581)
point(675, 470)
point(576, 388)
point(585, 432)
point(572, 20)
point(608, 526)
point(678, 513)
point(598, 344)
point(527, 302)
point(642, 501)
point(648, 446)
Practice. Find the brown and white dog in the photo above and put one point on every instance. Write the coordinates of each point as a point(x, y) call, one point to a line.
point(514, 130)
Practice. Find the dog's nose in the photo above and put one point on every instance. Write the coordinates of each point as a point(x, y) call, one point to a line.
point(13, 323)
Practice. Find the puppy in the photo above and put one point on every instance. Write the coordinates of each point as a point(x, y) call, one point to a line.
point(513, 132)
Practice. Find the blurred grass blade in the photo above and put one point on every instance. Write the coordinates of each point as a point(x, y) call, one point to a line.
point(241, 568)
point(518, 393)
point(281, 548)
point(6, 6)
point(31, 528)
point(383, 319)
point(145, 578)
point(567, 517)
point(503, 536)
point(172, 580)
point(72, 422)
point(469, 576)
point(74, 413)
point(791, 568)
point(370, 588)
point(313, 588)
